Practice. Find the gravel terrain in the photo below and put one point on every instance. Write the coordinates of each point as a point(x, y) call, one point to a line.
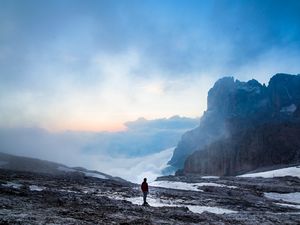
point(72, 198)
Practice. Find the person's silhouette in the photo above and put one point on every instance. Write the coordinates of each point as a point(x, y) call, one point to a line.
point(145, 191)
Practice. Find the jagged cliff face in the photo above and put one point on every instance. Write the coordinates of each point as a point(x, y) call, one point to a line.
point(238, 112)
point(250, 149)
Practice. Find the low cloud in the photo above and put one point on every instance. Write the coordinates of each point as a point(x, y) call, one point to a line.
point(139, 151)
point(172, 123)
point(133, 169)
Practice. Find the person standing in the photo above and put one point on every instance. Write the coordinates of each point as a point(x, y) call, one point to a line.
point(145, 191)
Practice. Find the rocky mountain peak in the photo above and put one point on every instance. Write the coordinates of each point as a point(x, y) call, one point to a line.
point(230, 98)
point(236, 107)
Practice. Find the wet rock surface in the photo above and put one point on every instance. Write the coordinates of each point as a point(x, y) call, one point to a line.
point(32, 198)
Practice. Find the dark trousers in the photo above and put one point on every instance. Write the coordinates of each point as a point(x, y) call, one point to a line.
point(145, 193)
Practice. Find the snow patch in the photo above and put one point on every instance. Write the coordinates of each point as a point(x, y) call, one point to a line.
point(289, 197)
point(186, 186)
point(95, 175)
point(214, 185)
point(36, 188)
point(176, 185)
point(289, 109)
point(289, 205)
point(194, 208)
point(215, 210)
point(13, 185)
point(290, 171)
point(88, 174)
point(210, 177)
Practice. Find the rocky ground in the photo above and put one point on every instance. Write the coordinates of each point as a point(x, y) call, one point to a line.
point(72, 198)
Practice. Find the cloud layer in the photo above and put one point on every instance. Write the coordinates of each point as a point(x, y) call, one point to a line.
point(130, 154)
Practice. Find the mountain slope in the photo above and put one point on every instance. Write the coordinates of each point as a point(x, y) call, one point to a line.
point(19, 163)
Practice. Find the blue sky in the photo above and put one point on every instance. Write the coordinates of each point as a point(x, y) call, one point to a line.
point(92, 65)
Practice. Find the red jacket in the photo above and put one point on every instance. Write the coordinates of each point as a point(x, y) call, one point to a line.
point(144, 187)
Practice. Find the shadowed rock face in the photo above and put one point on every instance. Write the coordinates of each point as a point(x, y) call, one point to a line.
point(235, 128)
point(284, 90)
point(247, 150)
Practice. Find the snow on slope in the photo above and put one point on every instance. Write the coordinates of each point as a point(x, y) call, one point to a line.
point(154, 202)
point(288, 205)
point(210, 177)
point(97, 175)
point(289, 171)
point(88, 174)
point(288, 197)
point(36, 188)
point(185, 186)
point(13, 185)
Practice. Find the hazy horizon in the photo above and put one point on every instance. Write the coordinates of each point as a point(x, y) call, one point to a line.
point(73, 72)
